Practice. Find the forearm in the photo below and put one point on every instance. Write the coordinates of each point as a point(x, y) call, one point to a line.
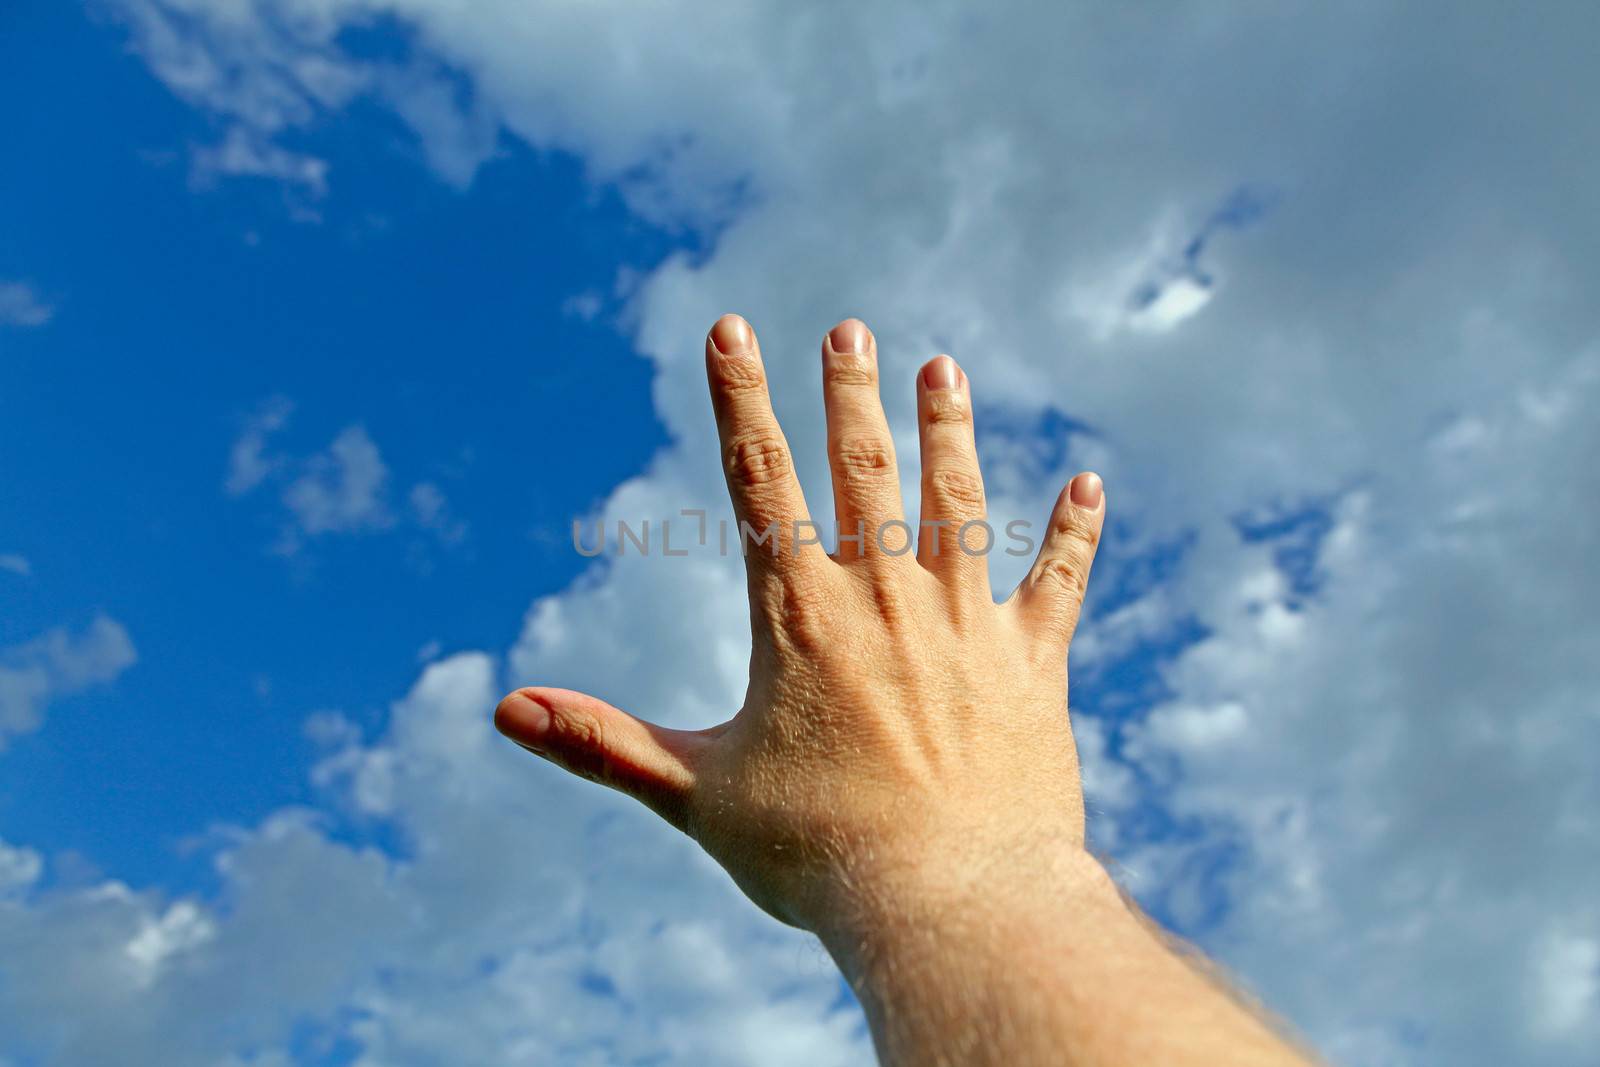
point(1046, 967)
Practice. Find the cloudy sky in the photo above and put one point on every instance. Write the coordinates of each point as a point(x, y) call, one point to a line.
point(320, 321)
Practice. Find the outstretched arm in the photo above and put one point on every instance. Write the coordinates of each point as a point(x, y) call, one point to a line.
point(901, 779)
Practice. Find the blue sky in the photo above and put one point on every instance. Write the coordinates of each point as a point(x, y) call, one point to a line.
point(320, 321)
point(431, 316)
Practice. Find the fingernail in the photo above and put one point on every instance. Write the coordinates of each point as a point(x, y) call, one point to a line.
point(941, 373)
point(731, 334)
point(1085, 490)
point(523, 719)
point(849, 336)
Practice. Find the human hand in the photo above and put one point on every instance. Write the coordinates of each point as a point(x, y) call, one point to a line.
point(901, 779)
point(902, 733)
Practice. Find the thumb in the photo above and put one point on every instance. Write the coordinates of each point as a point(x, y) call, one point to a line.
point(594, 740)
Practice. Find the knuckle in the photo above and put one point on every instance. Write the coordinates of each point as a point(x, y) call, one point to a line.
point(756, 459)
point(957, 486)
point(581, 745)
point(862, 456)
point(947, 407)
point(574, 730)
point(845, 371)
point(739, 375)
point(1074, 526)
point(1064, 575)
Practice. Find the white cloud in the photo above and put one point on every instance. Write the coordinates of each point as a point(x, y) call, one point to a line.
point(21, 305)
point(16, 563)
point(431, 510)
point(1395, 764)
point(1567, 984)
point(1188, 727)
point(342, 490)
point(585, 305)
point(249, 463)
point(1169, 305)
point(179, 930)
point(1149, 288)
point(476, 948)
point(19, 869)
point(1409, 764)
point(58, 663)
point(243, 153)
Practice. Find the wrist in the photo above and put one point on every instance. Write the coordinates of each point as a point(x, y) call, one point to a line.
point(887, 907)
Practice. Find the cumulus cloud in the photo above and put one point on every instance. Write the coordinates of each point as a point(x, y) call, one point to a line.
point(343, 489)
point(267, 69)
point(243, 153)
point(1377, 741)
point(21, 305)
point(249, 463)
point(1406, 762)
point(19, 869)
point(55, 664)
point(474, 948)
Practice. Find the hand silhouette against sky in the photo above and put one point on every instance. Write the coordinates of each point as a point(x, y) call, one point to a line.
point(901, 779)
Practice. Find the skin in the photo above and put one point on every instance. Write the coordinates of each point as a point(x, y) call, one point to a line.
point(902, 779)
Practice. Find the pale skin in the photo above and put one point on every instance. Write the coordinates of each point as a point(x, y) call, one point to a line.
point(901, 779)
